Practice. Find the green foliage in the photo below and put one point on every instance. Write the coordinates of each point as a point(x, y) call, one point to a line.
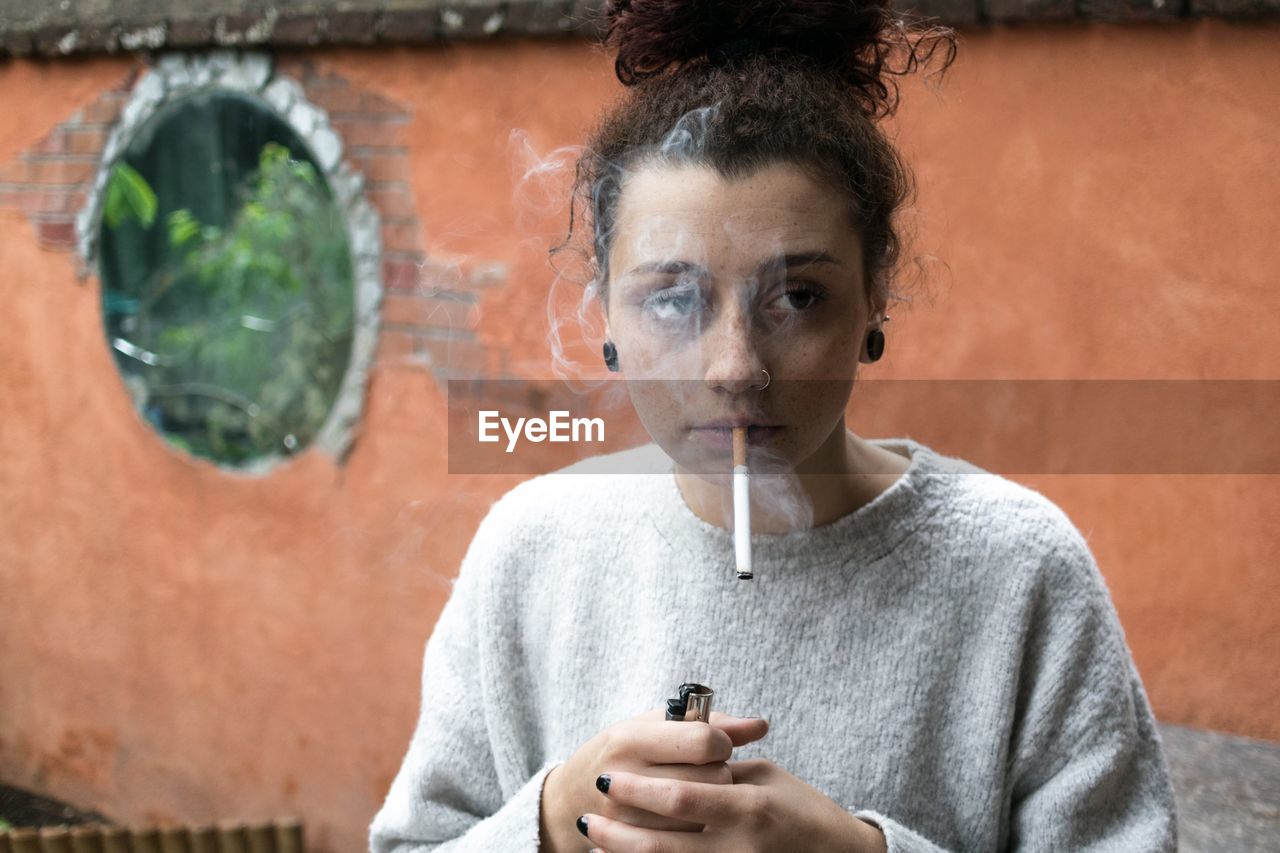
point(250, 323)
point(128, 196)
point(183, 228)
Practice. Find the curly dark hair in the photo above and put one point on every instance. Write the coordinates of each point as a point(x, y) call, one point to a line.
point(746, 84)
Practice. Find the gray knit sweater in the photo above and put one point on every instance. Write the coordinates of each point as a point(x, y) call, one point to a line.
point(944, 661)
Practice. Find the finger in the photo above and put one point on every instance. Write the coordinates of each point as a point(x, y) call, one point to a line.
point(684, 743)
point(720, 716)
point(621, 837)
point(694, 802)
point(741, 730)
point(749, 771)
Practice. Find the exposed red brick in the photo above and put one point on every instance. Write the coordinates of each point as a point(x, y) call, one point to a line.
point(376, 104)
point(312, 75)
point(127, 80)
point(404, 310)
point(14, 173)
point(57, 233)
point(392, 201)
point(382, 167)
point(442, 276)
point(43, 200)
point(57, 172)
point(85, 140)
point(401, 236)
point(333, 97)
point(395, 346)
point(429, 313)
point(105, 110)
point(453, 314)
point(399, 275)
point(455, 354)
point(54, 143)
point(369, 133)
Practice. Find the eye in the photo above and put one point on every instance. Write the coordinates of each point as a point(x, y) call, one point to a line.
point(676, 302)
point(800, 296)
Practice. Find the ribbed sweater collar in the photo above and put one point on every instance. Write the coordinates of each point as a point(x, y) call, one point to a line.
point(869, 532)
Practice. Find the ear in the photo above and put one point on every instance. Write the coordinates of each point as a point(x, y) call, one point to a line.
point(602, 301)
point(876, 318)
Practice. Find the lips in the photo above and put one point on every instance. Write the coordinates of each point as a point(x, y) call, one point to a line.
point(723, 436)
point(730, 423)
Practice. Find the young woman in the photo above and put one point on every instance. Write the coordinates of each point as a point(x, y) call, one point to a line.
point(934, 649)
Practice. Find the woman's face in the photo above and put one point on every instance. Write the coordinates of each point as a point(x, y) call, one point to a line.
point(713, 280)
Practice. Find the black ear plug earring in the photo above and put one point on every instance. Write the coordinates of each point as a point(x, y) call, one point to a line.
point(611, 356)
point(875, 342)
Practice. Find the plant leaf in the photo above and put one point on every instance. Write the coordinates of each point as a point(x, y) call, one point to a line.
point(129, 196)
point(183, 227)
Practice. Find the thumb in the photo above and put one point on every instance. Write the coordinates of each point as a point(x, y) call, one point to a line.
point(741, 730)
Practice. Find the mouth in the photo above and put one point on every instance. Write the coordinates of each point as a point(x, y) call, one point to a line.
point(720, 433)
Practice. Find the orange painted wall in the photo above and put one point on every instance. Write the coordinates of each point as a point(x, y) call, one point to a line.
point(177, 642)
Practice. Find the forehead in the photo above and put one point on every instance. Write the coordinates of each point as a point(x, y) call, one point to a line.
point(666, 210)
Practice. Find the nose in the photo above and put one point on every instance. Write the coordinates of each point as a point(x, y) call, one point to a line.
point(730, 357)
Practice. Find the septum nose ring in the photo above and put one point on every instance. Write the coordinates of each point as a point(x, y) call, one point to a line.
point(767, 380)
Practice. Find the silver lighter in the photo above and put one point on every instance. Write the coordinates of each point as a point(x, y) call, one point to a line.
point(693, 703)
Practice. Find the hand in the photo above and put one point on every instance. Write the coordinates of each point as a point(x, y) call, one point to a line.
point(647, 744)
point(765, 810)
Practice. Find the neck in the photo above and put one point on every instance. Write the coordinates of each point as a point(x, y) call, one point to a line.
point(846, 472)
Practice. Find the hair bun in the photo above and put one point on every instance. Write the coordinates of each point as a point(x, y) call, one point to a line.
point(852, 38)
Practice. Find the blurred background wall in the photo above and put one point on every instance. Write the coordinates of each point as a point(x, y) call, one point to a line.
point(180, 642)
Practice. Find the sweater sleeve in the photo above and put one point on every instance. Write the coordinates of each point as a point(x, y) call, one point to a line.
point(1086, 771)
point(899, 839)
point(447, 796)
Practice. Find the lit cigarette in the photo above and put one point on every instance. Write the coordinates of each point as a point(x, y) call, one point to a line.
point(741, 504)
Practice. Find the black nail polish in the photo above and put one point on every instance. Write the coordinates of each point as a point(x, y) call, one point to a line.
point(582, 824)
point(602, 782)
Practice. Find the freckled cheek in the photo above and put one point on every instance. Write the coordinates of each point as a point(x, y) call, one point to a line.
point(661, 408)
point(813, 403)
point(834, 359)
point(646, 354)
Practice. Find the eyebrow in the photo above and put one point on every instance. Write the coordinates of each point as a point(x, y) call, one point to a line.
point(667, 268)
point(795, 259)
point(800, 259)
